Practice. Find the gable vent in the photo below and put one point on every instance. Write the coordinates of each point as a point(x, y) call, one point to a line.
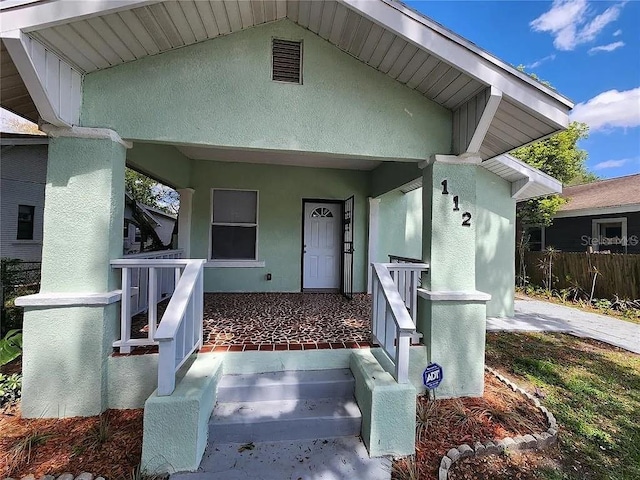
point(287, 61)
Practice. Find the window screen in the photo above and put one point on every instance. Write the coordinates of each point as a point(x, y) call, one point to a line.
point(234, 226)
point(25, 222)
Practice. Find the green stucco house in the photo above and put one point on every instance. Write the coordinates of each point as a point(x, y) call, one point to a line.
point(309, 141)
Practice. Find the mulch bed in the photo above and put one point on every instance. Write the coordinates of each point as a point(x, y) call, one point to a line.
point(526, 465)
point(71, 445)
point(448, 423)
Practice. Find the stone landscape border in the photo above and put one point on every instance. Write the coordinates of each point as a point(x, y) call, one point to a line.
point(64, 476)
point(520, 442)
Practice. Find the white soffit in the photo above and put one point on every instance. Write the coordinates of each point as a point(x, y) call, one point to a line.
point(272, 157)
point(526, 181)
point(385, 34)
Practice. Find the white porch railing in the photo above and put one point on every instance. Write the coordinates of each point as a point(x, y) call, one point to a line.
point(139, 279)
point(395, 292)
point(180, 331)
point(148, 283)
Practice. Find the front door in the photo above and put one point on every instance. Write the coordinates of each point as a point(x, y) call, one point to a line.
point(322, 246)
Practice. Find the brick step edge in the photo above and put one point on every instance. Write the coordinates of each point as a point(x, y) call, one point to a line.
point(537, 441)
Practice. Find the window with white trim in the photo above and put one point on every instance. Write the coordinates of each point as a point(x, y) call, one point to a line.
point(234, 225)
point(610, 234)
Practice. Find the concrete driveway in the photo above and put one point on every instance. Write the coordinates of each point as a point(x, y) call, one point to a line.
point(538, 316)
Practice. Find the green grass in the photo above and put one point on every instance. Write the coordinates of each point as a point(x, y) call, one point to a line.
point(592, 389)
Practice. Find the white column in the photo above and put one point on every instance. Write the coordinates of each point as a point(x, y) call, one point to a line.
point(184, 220)
point(374, 215)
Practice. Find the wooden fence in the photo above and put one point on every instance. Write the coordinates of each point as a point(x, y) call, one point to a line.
point(618, 274)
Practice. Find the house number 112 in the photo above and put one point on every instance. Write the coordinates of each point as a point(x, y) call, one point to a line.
point(466, 216)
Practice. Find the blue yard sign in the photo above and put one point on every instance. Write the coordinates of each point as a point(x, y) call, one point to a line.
point(432, 376)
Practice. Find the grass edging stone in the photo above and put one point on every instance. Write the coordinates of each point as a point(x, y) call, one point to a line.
point(537, 441)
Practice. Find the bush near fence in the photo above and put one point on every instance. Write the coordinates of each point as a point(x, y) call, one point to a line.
point(17, 278)
point(618, 274)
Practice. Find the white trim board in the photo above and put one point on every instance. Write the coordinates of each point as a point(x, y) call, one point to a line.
point(583, 212)
point(69, 299)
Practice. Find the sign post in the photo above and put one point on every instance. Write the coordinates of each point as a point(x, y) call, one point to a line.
point(432, 376)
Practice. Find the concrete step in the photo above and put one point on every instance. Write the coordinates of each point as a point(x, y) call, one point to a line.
point(287, 385)
point(277, 420)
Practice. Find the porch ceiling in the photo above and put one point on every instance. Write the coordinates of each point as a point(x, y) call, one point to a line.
point(299, 159)
point(384, 34)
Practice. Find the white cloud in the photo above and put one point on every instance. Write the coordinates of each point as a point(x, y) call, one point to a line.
point(606, 48)
point(611, 164)
point(611, 109)
point(573, 22)
point(617, 33)
point(539, 62)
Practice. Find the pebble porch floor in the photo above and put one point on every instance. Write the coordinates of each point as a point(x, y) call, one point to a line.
point(285, 321)
point(239, 322)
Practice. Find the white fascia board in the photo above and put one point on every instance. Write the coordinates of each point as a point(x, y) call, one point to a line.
point(529, 176)
point(436, 40)
point(53, 84)
point(485, 122)
point(39, 15)
point(16, 44)
point(583, 212)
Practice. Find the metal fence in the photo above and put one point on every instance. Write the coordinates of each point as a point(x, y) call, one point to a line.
point(17, 278)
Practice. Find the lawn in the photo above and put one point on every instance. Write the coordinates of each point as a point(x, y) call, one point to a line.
point(594, 391)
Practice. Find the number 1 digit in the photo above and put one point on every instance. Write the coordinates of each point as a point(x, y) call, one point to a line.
point(455, 204)
point(444, 187)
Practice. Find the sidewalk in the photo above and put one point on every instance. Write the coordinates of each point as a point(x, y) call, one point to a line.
point(539, 316)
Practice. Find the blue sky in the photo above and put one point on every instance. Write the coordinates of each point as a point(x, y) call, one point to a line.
point(588, 50)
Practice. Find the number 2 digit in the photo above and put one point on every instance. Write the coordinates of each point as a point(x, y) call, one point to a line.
point(466, 219)
point(444, 187)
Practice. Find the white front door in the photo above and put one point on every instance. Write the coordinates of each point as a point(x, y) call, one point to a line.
point(321, 248)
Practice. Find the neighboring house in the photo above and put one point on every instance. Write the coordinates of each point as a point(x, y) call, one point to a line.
point(160, 223)
point(291, 131)
point(23, 173)
point(603, 216)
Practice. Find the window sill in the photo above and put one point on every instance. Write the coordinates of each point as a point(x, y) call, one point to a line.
point(235, 264)
point(26, 242)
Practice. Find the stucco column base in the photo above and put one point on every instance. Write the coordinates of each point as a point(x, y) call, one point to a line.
point(64, 364)
point(69, 328)
point(454, 335)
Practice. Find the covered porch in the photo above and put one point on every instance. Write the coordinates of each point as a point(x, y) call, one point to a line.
point(237, 322)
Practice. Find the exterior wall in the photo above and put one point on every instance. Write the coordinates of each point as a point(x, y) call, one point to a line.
point(281, 190)
point(568, 233)
point(23, 171)
point(165, 163)
point(400, 220)
point(495, 242)
point(220, 93)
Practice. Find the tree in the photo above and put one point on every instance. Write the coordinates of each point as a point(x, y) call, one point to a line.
point(149, 192)
point(560, 157)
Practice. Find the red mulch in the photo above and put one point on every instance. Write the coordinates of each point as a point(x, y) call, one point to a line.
point(71, 444)
point(527, 465)
point(498, 414)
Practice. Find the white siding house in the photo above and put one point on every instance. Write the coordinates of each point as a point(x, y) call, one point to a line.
point(23, 173)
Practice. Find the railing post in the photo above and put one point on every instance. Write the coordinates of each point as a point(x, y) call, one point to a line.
point(402, 358)
point(125, 311)
point(199, 293)
point(153, 303)
point(166, 367)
